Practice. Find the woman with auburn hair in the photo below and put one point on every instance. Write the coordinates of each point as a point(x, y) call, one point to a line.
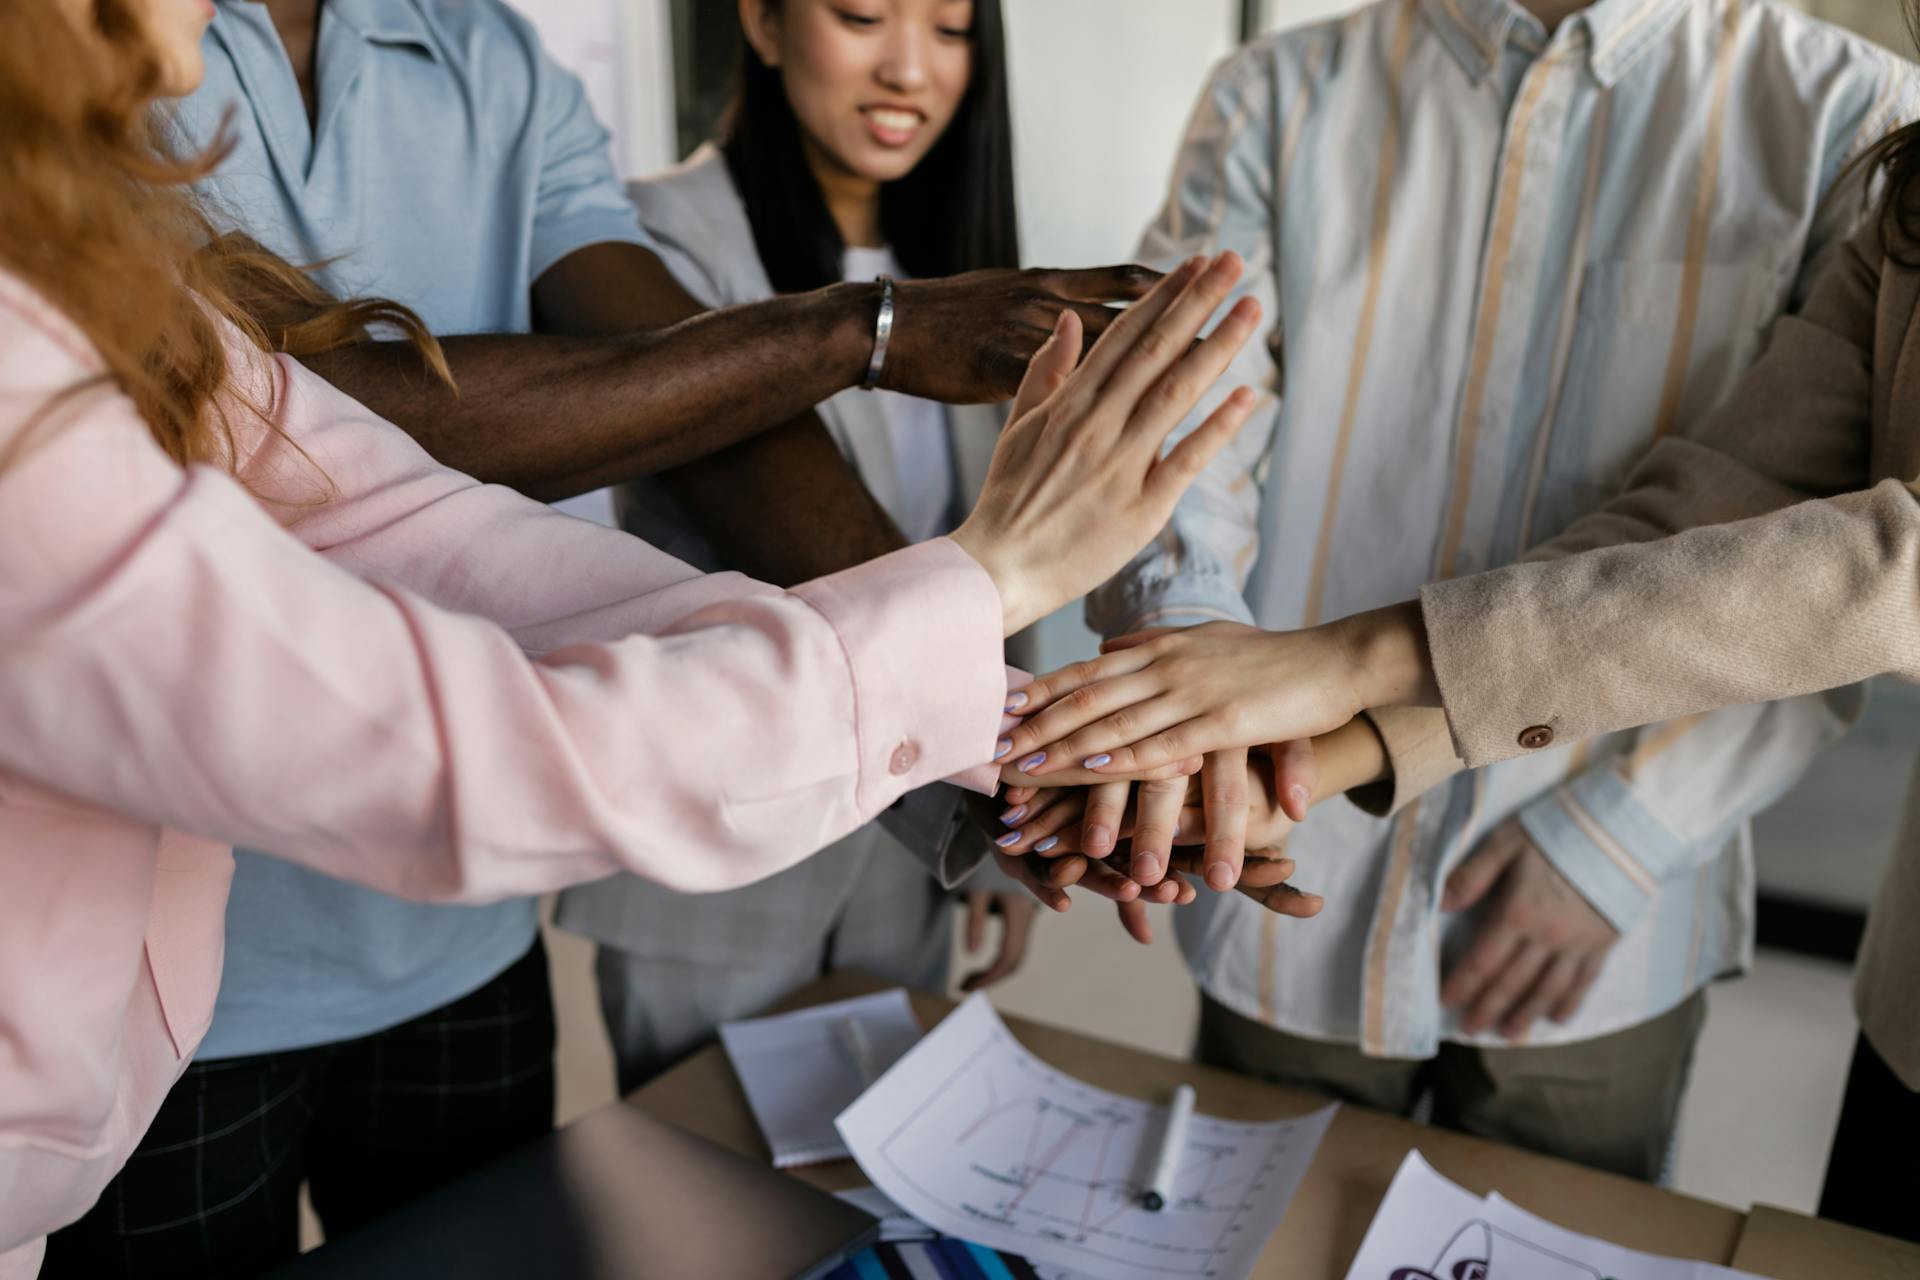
point(235, 606)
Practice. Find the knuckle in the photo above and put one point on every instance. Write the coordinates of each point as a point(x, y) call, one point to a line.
point(1085, 671)
point(1081, 701)
point(1154, 348)
point(1176, 391)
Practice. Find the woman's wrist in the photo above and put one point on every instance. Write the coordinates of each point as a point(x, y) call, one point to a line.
point(848, 314)
point(1015, 614)
point(1350, 756)
point(1386, 658)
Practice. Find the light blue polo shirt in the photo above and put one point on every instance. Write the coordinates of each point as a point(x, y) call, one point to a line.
point(452, 164)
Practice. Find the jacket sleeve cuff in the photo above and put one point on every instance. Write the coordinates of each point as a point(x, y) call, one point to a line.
point(1420, 757)
point(1184, 615)
point(1130, 604)
point(921, 630)
point(1597, 835)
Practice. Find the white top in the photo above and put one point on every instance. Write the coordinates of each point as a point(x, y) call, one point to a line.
point(916, 430)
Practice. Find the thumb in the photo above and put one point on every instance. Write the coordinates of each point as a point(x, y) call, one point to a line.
point(1296, 776)
point(1474, 878)
point(1051, 364)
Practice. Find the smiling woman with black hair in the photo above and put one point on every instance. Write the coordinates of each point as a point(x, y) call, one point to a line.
point(866, 139)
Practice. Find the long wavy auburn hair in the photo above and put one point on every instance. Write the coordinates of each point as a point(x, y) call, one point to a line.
point(96, 214)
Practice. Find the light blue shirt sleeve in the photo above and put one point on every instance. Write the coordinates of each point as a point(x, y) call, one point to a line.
point(1221, 198)
point(581, 200)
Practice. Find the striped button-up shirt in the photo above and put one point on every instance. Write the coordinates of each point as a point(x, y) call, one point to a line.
point(1496, 263)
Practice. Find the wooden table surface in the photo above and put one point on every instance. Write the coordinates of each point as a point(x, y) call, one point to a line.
point(1335, 1204)
point(1783, 1245)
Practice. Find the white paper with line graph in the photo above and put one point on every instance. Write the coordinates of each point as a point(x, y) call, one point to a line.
point(1428, 1228)
point(973, 1135)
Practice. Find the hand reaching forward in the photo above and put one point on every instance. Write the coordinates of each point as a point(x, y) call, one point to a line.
point(1082, 835)
point(1016, 926)
point(968, 339)
point(1078, 483)
point(1218, 687)
point(1540, 946)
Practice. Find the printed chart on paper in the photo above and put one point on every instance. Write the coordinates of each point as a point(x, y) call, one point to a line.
point(1428, 1228)
point(972, 1134)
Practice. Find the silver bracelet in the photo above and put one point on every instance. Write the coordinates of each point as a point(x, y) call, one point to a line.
point(882, 335)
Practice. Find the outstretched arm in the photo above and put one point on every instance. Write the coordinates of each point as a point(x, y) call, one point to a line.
point(630, 375)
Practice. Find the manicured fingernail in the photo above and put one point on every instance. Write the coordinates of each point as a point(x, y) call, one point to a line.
point(1300, 796)
point(1008, 840)
point(1094, 762)
point(1146, 867)
point(1099, 838)
point(1013, 815)
point(1017, 701)
point(1220, 877)
point(1033, 762)
point(1046, 844)
point(1005, 745)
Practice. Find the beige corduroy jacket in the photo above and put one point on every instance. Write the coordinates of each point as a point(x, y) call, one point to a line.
point(1772, 551)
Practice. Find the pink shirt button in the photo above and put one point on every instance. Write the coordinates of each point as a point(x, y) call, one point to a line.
point(905, 756)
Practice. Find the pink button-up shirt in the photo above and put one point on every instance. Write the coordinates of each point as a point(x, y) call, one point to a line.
point(390, 672)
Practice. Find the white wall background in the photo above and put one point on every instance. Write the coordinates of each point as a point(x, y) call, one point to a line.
point(1292, 13)
point(1101, 94)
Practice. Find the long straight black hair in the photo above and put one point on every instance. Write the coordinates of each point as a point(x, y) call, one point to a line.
point(955, 211)
point(1899, 158)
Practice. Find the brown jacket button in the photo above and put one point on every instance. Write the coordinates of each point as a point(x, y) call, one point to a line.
point(1537, 737)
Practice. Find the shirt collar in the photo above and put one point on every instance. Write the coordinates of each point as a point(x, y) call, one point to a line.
point(391, 22)
point(1617, 31)
point(396, 22)
point(1477, 32)
point(1621, 30)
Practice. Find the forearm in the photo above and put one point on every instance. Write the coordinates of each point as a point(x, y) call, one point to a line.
point(784, 507)
point(558, 415)
point(1349, 757)
point(1814, 597)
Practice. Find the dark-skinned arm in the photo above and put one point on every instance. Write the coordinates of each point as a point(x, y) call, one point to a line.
point(564, 412)
point(784, 505)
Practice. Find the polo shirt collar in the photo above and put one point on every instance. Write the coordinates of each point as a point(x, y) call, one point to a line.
point(390, 22)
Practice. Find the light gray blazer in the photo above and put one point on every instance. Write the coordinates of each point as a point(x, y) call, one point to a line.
point(700, 230)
